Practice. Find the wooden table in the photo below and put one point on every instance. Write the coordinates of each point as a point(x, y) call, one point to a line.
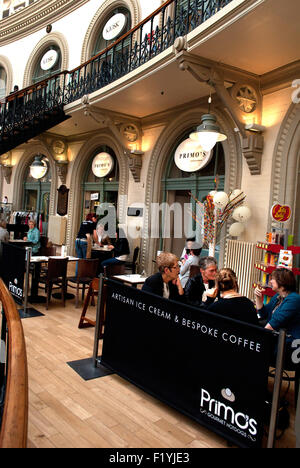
point(133, 280)
point(37, 260)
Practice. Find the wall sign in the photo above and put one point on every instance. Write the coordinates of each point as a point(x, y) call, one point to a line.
point(102, 165)
point(49, 60)
point(281, 213)
point(114, 26)
point(190, 157)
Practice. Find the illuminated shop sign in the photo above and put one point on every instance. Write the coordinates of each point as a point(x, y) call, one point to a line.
point(114, 27)
point(190, 157)
point(49, 60)
point(102, 165)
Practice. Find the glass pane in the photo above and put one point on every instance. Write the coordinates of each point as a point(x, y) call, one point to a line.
point(101, 43)
point(3, 79)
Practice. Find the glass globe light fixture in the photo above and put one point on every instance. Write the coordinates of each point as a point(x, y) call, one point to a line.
point(208, 132)
point(38, 168)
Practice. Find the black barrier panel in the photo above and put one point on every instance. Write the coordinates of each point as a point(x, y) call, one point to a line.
point(13, 269)
point(212, 369)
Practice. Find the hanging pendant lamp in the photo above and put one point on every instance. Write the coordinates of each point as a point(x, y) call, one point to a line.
point(38, 168)
point(208, 132)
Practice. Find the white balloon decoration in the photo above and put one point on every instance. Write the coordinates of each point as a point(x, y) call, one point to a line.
point(212, 193)
point(235, 193)
point(220, 200)
point(241, 214)
point(236, 229)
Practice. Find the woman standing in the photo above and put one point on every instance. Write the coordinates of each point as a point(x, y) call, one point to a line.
point(33, 236)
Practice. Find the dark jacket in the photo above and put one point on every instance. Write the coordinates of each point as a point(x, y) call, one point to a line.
point(155, 285)
point(194, 290)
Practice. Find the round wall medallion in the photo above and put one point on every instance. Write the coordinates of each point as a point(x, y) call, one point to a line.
point(246, 98)
point(58, 146)
point(130, 132)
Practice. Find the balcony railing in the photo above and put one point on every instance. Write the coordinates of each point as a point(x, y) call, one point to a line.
point(13, 376)
point(152, 36)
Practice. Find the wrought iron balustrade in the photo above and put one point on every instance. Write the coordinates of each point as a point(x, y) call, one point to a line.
point(24, 110)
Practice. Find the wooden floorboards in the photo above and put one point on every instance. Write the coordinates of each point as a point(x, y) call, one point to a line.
point(66, 411)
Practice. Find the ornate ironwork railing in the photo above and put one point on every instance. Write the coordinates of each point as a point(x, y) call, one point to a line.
point(155, 34)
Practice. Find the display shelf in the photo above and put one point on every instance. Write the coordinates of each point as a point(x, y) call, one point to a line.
point(269, 264)
point(275, 248)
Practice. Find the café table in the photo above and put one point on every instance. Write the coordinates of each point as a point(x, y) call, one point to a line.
point(102, 253)
point(133, 280)
point(37, 261)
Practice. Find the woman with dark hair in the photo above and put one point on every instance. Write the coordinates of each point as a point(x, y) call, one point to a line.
point(283, 310)
point(231, 303)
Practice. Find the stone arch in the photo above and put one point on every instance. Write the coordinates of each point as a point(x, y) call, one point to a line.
point(5, 63)
point(158, 161)
point(285, 168)
point(21, 168)
point(52, 38)
point(79, 165)
point(92, 31)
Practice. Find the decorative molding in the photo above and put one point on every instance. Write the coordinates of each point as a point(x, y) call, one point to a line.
point(284, 168)
point(93, 29)
point(5, 63)
point(56, 38)
point(35, 17)
point(159, 158)
point(62, 170)
point(31, 150)
point(78, 169)
point(213, 75)
point(7, 172)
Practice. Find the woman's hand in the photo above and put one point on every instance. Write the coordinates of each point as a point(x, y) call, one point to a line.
point(258, 293)
point(212, 292)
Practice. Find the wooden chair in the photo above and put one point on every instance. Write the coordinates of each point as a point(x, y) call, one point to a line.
point(114, 269)
point(56, 274)
point(87, 270)
point(133, 265)
point(194, 270)
point(93, 290)
point(46, 252)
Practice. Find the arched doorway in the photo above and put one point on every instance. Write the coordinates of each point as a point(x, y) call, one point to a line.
point(36, 193)
point(98, 190)
point(182, 190)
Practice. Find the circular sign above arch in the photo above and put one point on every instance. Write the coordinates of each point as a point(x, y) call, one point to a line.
point(190, 156)
point(102, 165)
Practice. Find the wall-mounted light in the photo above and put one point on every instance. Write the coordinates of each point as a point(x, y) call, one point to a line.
point(208, 132)
point(253, 127)
point(38, 168)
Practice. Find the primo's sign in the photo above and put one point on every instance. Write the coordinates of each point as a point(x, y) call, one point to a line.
point(190, 156)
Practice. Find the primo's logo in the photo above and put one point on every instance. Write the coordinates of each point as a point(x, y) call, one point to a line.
point(13, 288)
point(225, 414)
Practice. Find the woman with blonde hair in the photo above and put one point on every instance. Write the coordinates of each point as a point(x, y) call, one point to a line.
point(231, 303)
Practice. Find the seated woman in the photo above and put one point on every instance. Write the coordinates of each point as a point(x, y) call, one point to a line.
point(192, 259)
point(33, 236)
point(4, 234)
point(231, 303)
point(283, 310)
point(166, 282)
point(120, 249)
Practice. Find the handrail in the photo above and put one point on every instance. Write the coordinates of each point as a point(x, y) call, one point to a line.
point(15, 416)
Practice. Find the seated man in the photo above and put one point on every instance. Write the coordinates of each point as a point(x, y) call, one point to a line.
point(166, 282)
point(200, 290)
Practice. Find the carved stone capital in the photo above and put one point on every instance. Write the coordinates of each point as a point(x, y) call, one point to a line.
point(135, 166)
point(62, 170)
point(252, 149)
point(7, 171)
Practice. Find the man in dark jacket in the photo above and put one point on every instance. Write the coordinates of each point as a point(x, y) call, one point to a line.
point(166, 282)
point(200, 290)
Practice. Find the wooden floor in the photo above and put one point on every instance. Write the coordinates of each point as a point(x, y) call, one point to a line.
point(106, 412)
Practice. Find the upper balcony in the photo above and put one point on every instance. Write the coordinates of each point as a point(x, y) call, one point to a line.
point(222, 43)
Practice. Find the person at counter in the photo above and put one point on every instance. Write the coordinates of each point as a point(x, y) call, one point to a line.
point(201, 290)
point(193, 258)
point(283, 310)
point(231, 303)
point(87, 229)
point(166, 282)
point(33, 236)
point(120, 249)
